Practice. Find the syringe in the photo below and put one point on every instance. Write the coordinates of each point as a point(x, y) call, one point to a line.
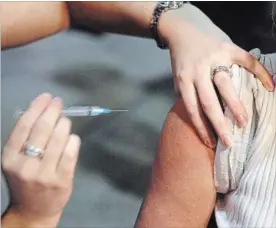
point(78, 111)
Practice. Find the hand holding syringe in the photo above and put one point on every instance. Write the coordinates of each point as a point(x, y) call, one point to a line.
point(78, 111)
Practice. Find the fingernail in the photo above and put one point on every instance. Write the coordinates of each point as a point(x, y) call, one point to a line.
point(210, 143)
point(57, 100)
point(270, 86)
point(41, 96)
point(207, 143)
point(226, 140)
point(242, 120)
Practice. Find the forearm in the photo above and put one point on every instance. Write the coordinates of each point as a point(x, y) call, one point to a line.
point(181, 192)
point(133, 18)
point(12, 219)
point(130, 18)
point(23, 22)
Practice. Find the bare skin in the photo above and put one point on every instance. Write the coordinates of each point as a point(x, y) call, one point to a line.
point(193, 52)
point(181, 192)
point(24, 22)
point(33, 21)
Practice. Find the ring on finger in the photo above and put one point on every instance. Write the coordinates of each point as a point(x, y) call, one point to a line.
point(32, 151)
point(218, 69)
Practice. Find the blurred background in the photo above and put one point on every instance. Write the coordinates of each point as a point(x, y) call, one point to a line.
point(117, 150)
point(117, 72)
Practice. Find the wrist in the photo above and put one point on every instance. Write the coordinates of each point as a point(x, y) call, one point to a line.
point(171, 25)
point(188, 25)
point(14, 218)
point(159, 32)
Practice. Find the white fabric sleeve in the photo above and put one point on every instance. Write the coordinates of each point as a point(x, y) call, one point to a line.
point(245, 175)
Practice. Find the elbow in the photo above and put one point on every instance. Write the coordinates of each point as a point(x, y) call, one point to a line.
point(25, 22)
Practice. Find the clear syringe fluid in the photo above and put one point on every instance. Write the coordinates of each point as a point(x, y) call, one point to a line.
point(79, 111)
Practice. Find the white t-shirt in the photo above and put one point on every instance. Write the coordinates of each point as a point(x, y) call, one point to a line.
point(245, 175)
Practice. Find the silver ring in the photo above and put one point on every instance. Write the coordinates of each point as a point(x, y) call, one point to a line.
point(220, 69)
point(33, 151)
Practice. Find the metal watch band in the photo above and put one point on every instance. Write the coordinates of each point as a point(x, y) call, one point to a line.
point(159, 9)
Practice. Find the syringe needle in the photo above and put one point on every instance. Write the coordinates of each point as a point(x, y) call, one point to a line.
point(118, 110)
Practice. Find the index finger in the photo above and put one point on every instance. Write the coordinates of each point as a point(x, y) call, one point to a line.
point(24, 125)
point(246, 60)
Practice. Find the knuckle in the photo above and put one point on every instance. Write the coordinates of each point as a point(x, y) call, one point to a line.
point(183, 75)
point(64, 126)
point(252, 63)
point(5, 151)
point(226, 46)
point(207, 106)
point(61, 131)
point(200, 65)
point(69, 156)
point(12, 145)
point(67, 122)
point(64, 184)
point(180, 77)
point(44, 125)
point(23, 126)
point(225, 50)
point(58, 138)
point(6, 158)
point(7, 166)
point(45, 181)
point(192, 111)
point(23, 176)
point(222, 80)
point(196, 122)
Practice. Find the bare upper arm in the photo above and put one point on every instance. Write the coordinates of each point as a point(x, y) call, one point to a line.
point(181, 192)
point(23, 22)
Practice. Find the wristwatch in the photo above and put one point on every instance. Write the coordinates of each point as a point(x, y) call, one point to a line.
point(160, 8)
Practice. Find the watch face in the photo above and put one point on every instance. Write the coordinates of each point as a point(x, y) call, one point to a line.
point(175, 4)
point(171, 4)
point(164, 4)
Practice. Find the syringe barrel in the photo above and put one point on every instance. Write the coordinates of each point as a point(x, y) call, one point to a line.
point(75, 111)
point(80, 111)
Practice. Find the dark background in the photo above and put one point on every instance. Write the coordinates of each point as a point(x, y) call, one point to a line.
point(249, 24)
